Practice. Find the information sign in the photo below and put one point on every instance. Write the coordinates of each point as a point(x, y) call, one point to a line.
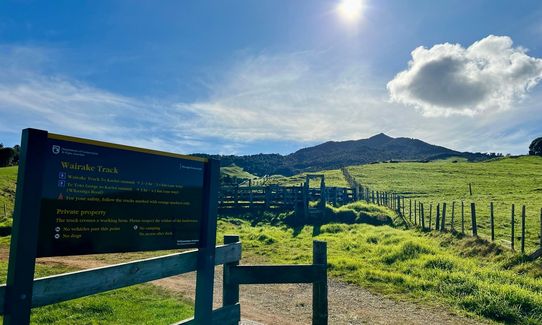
point(100, 197)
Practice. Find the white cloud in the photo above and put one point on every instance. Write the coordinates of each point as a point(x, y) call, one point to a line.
point(448, 79)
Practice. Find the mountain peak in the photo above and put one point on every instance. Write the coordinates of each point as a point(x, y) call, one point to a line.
point(380, 136)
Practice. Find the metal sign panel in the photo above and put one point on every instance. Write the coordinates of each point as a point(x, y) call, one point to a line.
point(99, 197)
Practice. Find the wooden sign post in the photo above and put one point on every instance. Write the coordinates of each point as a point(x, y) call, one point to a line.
point(78, 196)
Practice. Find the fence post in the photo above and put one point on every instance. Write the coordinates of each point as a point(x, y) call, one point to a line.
point(473, 217)
point(462, 217)
point(443, 227)
point(437, 217)
point(513, 227)
point(423, 216)
point(430, 215)
point(404, 206)
point(523, 230)
point(410, 210)
point(319, 289)
point(491, 221)
point(415, 212)
point(230, 291)
point(453, 217)
point(251, 199)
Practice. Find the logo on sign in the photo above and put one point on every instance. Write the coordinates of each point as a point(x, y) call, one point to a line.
point(56, 149)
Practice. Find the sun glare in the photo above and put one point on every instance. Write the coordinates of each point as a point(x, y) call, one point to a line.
point(350, 10)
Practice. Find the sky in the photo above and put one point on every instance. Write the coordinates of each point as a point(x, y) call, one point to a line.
point(271, 76)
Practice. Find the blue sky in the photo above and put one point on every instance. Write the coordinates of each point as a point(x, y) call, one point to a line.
point(245, 77)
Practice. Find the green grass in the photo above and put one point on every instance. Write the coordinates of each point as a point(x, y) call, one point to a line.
point(504, 181)
point(471, 276)
point(332, 178)
point(140, 304)
point(236, 171)
point(8, 180)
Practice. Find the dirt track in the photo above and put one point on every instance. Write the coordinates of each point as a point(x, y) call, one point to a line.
point(291, 304)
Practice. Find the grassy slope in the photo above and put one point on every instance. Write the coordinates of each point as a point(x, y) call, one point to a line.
point(8, 179)
point(332, 178)
point(468, 275)
point(236, 171)
point(504, 181)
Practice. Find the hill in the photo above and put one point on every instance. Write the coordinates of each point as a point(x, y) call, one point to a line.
point(337, 154)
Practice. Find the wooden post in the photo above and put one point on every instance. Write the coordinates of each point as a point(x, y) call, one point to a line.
point(410, 210)
point(473, 218)
point(230, 291)
point(523, 230)
point(513, 228)
point(443, 227)
point(470, 189)
point(323, 195)
point(462, 217)
point(251, 198)
point(491, 221)
point(430, 215)
point(24, 237)
point(415, 212)
point(437, 218)
point(453, 217)
point(423, 216)
point(403, 205)
point(205, 274)
point(319, 289)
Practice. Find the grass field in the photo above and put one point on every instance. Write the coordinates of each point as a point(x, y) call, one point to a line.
point(469, 275)
point(332, 178)
point(140, 304)
point(504, 181)
point(8, 180)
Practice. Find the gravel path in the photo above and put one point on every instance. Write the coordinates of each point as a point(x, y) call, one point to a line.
point(289, 304)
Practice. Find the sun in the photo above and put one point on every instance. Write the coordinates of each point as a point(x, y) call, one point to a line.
point(351, 10)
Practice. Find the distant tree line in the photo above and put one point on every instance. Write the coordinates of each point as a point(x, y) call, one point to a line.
point(9, 156)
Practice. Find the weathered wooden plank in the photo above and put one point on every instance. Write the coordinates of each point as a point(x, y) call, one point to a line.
point(227, 315)
point(67, 286)
point(266, 274)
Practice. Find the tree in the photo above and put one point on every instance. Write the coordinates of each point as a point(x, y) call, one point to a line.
point(536, 147)
point(6, 156)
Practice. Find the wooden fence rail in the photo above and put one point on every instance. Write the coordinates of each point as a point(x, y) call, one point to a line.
point(67, 286)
